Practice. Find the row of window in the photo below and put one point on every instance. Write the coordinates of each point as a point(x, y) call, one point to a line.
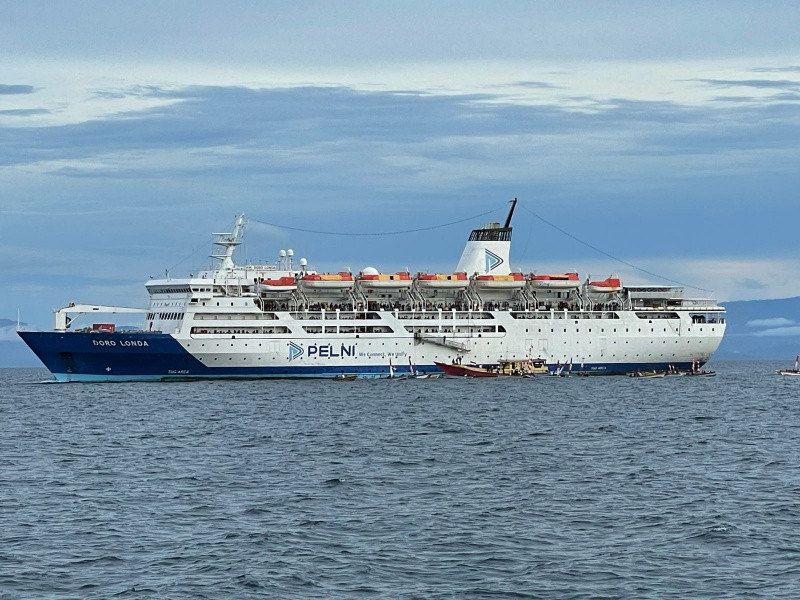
point(242, 330)
point(449, 329)
point(165, 316)
point(346, 329)
point(180, 289)
point(235, 316)
point(561, 315)
point(639, 330)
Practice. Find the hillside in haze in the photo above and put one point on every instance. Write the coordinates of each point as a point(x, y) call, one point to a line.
point(761, 329)
point(13, 352)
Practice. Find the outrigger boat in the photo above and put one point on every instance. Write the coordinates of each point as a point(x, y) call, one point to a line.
point(794, 371)
point(648, 374)
point(416, 374)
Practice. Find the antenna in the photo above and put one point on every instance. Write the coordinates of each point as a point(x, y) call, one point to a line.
point(510, 213)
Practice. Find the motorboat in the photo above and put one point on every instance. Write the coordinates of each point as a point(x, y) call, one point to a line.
point(794, 371)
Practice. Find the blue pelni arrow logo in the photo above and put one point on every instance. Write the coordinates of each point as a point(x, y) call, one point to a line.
point(295, 351)
point(492, 260)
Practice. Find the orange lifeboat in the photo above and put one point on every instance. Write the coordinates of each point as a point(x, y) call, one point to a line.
point(328, 281)
point(563, 281)
point(442, 281)
point(281, 284)
point(513, 281)
point(369, 278)
point(610, 285)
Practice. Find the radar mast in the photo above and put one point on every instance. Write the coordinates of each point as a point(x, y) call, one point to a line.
point(228, 243)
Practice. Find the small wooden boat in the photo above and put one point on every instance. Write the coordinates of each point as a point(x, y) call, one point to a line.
point(649, 374)
point(345, 377)
point(525, 367)
point(465, 370)
point(701, 374)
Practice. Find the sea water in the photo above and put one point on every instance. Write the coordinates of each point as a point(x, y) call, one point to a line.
point(605, 487)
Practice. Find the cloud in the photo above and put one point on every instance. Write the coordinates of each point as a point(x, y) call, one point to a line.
point(754, 83)
point(397, 138)
point(24, 112)
point(787, 69)
point(6, 89)
point(779, 332)
point(535, 85)
point(775, 322)
point(750, 284)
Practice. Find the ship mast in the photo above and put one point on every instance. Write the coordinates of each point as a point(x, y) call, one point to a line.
point(228, 243)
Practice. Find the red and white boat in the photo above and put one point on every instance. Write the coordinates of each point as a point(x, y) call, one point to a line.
point(611, 285)
point(281, 284)
point(442, 281)
point(562, 281)
point(464, 370)
point(512, 281)
point(794, 371)
point(328, 281)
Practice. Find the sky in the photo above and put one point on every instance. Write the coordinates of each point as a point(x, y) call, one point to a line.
point(666, 135)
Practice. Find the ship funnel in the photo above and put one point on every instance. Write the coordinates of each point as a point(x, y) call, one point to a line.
point(488, 249)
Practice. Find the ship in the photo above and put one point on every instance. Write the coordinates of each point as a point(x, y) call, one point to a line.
point(286, 320)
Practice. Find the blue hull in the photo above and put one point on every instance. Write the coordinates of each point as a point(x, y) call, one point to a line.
point(159, 357)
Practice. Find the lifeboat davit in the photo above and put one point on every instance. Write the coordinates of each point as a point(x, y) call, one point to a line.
point(442, 281)
point(607, 286)
point(329, 281)
point(513, 281)
point(281, 284)
point(370, 278)
point(563, 281)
